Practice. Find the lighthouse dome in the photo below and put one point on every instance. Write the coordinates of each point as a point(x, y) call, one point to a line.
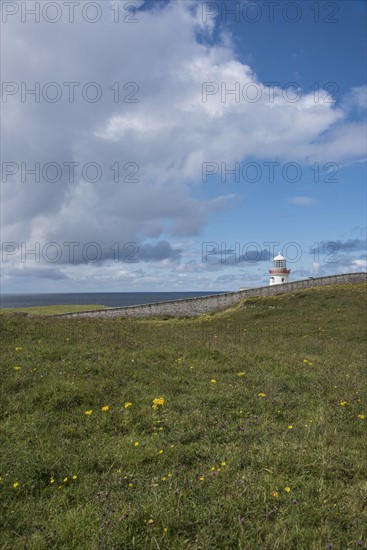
point(279, 257)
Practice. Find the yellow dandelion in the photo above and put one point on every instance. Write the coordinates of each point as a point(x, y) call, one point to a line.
point(290, 427)
point(161, 452)
point(105, 408)
point(262, 394)
point(305, 361)
point(287, 489)
point(213, 381)
point(150, 520)
point(169, 475)
point(223, 463)
point(165, 530)
point(343, 403)
point(131, 485)
point(18, 349)
point(241, 373)
point(275, 494)
point(89, 412)
point(136, 443)
point(158, 402)
point(164, 478)
point(361, 416)
point(201, 478)
point(17, 368)
point(212, 468)
point(15, 485)
point(52, 480)
point(65, 479)
point(127, 405)
point(75, 477)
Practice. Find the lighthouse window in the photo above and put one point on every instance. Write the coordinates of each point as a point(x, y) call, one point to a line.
point(282, 280)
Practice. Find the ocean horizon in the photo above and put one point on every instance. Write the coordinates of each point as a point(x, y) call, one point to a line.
point(108, 299)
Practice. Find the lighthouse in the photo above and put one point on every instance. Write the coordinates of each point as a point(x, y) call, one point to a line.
point(279, 273)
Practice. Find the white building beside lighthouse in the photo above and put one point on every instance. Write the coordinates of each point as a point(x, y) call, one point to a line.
point(279, 273)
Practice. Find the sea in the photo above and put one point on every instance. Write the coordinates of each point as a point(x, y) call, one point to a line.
point(108, 299)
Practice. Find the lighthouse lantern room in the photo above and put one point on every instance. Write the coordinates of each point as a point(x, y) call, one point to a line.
point(279, 273)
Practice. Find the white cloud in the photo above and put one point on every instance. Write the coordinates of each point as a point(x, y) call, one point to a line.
point(360, 264)
point(301, 201)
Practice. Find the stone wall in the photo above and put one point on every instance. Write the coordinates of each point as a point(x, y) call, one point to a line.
point(216, 302)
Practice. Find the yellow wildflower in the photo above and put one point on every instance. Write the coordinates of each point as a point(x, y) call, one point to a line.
point(52, 480)
point(343, 403)
point(275, 494)
point(361, 416)
point(241, 373)
point(150, 520)
point(161, 452)
point(75, 477)
point(18, 349)
point(136, 443)
point(17, 368)
point(262, 394)
point(15, 485)
point(131, 485)
point(201, 478)
point(88, 412)
point(213, 381)
point(165, 530)
point(164, 478)
point(287, 489)
point(65, 479)
point(127, 405)
point(158, 402)
point(290, 427)
point(105, 408)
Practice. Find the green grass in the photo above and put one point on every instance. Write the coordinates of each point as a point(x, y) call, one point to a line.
point(50, 310)
point(228, 452)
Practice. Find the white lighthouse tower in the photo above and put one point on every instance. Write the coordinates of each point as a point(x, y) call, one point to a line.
point(279, 273)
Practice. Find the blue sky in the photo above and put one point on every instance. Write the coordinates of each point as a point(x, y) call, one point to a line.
point(176, 127)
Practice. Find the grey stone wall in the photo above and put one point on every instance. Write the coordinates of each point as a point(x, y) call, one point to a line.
point(216, 302)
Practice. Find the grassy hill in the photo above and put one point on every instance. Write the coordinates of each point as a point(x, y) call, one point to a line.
point(241, 429)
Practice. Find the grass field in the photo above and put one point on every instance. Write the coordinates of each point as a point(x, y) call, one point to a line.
point(50, 310)
point(244, 429)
